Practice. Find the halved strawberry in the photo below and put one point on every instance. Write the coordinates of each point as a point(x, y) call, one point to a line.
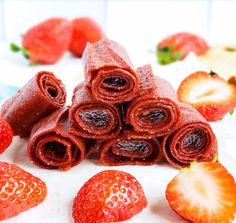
point(178, 46)
point(211, 95)
point(109, 196)
point(203, 193)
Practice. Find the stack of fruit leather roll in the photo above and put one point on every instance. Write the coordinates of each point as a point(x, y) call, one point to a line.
point(131, 116)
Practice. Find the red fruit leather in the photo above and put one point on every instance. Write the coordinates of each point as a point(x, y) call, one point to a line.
point(51, 146)
point(41, 96)
point(192, 140)
point(109, 72)
point(93, 119)
point(155, 112)
point(124, 150)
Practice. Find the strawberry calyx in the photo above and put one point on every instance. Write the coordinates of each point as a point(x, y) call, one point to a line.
point(215, 159)
point(167, 55)
point(231, 112)
point(15, 48)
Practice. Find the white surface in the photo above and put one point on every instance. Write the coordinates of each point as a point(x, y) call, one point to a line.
point(63, 186)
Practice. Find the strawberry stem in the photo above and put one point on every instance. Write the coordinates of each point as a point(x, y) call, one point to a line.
point(213, 73)
point(215, 159)
point(15, 48)
point(231, 112)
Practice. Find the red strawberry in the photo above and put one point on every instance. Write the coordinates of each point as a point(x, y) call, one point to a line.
point(46, 42)
point(109, 196)
point(6, 135)
point(19, 190)
point(211, 95)
point(84, 30)
point(178, 46)
point(203, 193)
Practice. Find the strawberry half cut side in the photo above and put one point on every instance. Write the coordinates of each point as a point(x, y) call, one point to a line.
point(203, 193)
point(211, 95)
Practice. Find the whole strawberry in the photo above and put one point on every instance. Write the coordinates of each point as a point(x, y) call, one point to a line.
point(46, 42)
point(19, 190)
point(178, 46)
point(203, 193)
point(84, 30)
point(6, 135)
point(109, 196)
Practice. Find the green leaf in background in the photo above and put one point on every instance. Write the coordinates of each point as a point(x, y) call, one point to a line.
point(166, 55)
point(15, 48)
point(231, 112)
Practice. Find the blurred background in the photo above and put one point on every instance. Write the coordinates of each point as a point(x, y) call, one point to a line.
point(138, 24)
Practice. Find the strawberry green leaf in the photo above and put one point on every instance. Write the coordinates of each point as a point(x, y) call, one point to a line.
point(166, 55)
point(25, 53)
point(231, 112)
point(15, 48)
point(177, 55)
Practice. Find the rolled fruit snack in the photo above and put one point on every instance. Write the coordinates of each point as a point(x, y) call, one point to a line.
point(51, 146)
point(124, 150)
point(93, 119)
point(41, 96)
point(192, 140)
point(155, 111)
point(109, 73)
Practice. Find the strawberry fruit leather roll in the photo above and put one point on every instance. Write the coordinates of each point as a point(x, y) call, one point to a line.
point(51, 146)
point(193, 140)
point(41, 96)
point(109, 72)
point(155, 112)
point(124, 150)
point(93, 119)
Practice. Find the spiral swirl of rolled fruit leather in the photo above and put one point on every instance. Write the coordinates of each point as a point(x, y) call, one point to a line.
point(130, 151)
point(51, 146)
point(193, 140)
point(155, 112)
point(109, 72)
point(38, 98)
point(93, 119)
